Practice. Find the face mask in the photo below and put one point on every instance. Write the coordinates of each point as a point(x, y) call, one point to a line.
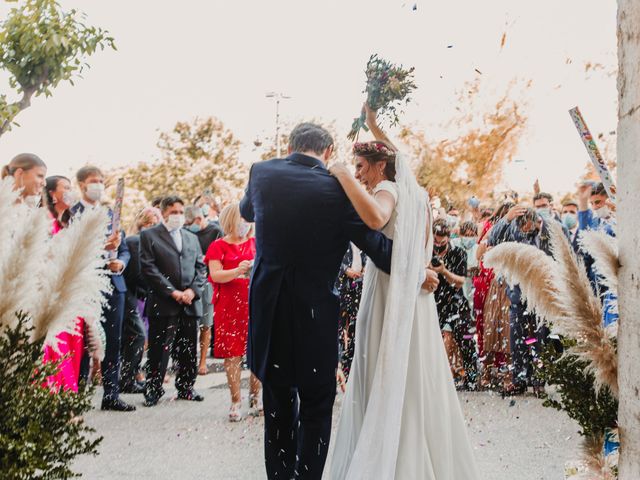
point(69, 198)
point(206, 209)
point(95, 191)
point(544, 213)
point(175, 222)
point(452, 221)
point(242, 229)
point(468, 242)
point(440, 248)
point(603, 212)
point(194, 227)
point(32, 201)
point(570, 220)
point(474, 202)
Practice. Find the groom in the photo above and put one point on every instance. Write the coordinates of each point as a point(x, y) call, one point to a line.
point(304, 223)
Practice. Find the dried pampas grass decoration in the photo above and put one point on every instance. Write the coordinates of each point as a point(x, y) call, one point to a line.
point(8, 199)
point(532, 269)
point(604, 251)
point(560, 292)
point(593, 459)
point(26, 251)
point(72, 283)
point(583, 319)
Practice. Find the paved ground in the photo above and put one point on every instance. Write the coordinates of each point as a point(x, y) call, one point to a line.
point(513, 439)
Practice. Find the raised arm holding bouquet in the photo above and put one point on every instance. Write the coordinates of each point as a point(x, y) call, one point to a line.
point(388, 86)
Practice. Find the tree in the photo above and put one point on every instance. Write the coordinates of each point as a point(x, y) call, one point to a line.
point(629, 236)
point(473, 163)
point(41, 46)
point(194, 157)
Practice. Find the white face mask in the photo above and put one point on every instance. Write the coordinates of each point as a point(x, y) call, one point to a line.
point(95, 191)
point(242, 229)
point(175, 222)
point(69, 198)
point(603, 212)
point(32, 201)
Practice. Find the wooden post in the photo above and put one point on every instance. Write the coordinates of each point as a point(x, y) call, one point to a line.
point(629, 236)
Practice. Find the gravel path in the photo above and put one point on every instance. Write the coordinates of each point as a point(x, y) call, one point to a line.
point(513, 439)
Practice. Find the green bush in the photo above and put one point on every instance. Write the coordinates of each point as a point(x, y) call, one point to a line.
point(578, 398)
point(41, 431)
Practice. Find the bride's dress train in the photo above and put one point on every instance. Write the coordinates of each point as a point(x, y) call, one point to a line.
point(411, 389)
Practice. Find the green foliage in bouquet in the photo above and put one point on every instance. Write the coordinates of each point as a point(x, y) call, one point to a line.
point(388, 86)
point(41, 431)
point(594, 411)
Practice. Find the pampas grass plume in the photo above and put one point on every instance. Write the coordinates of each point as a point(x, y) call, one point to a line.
point(73, 282)
point(604, 251)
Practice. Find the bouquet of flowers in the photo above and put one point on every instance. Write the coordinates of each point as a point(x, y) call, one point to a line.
point(388, 85)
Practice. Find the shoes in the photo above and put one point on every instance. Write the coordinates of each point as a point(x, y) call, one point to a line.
point(151, 401)
point(136, 387)
point(235, 412)
point(255, 406)
point(190, 395)
point(152, 397)
point(117, 405)
point(513, 390)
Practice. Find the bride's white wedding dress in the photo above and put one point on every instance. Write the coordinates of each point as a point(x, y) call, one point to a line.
point(401, 418)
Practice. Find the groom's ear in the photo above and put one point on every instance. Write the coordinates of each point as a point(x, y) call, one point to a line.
point(327, 154)
point(289, 150)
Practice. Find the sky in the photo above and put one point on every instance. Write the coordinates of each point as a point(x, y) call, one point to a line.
point(197, 58)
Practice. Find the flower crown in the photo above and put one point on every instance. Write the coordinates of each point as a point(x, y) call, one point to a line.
point(372, 148)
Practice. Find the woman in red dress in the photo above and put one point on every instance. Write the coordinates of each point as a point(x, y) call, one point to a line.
point(230, 259)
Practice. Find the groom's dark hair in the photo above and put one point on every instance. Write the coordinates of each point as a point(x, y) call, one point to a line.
point(309, 137)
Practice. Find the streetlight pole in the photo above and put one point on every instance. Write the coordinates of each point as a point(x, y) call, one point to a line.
point(278, 96)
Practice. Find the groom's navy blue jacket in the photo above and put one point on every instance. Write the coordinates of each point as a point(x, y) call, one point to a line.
point(304, 222)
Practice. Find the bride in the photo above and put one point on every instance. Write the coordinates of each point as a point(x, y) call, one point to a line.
point(400, 418)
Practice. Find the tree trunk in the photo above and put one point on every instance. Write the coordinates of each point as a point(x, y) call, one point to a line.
point(629, 236)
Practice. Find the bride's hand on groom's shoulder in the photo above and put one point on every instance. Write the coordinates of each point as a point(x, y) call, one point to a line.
point(339, 169)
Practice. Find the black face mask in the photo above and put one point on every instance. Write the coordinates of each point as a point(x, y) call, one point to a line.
point(440, 248)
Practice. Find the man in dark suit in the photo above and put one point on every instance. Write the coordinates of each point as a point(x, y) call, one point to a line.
point(304, 222)
point(133, 328)
point(172, 266)
point(91, 182)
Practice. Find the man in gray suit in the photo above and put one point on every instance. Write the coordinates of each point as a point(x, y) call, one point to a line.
point(172, 266)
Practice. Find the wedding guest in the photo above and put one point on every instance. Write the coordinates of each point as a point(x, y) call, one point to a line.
point(209, 206)
point(483, 280)
point(91, 182)
point(468, 241)
point(69, 347)
point(28, 172)
point(489, 301)
point(349, 287)
point(569, 217)
point(528, 226)
point(59, 198)
point(230, 260)
point(450, 263)
point(207, 233)
point(171, 263)
point(133, 327)
point(600, 216)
